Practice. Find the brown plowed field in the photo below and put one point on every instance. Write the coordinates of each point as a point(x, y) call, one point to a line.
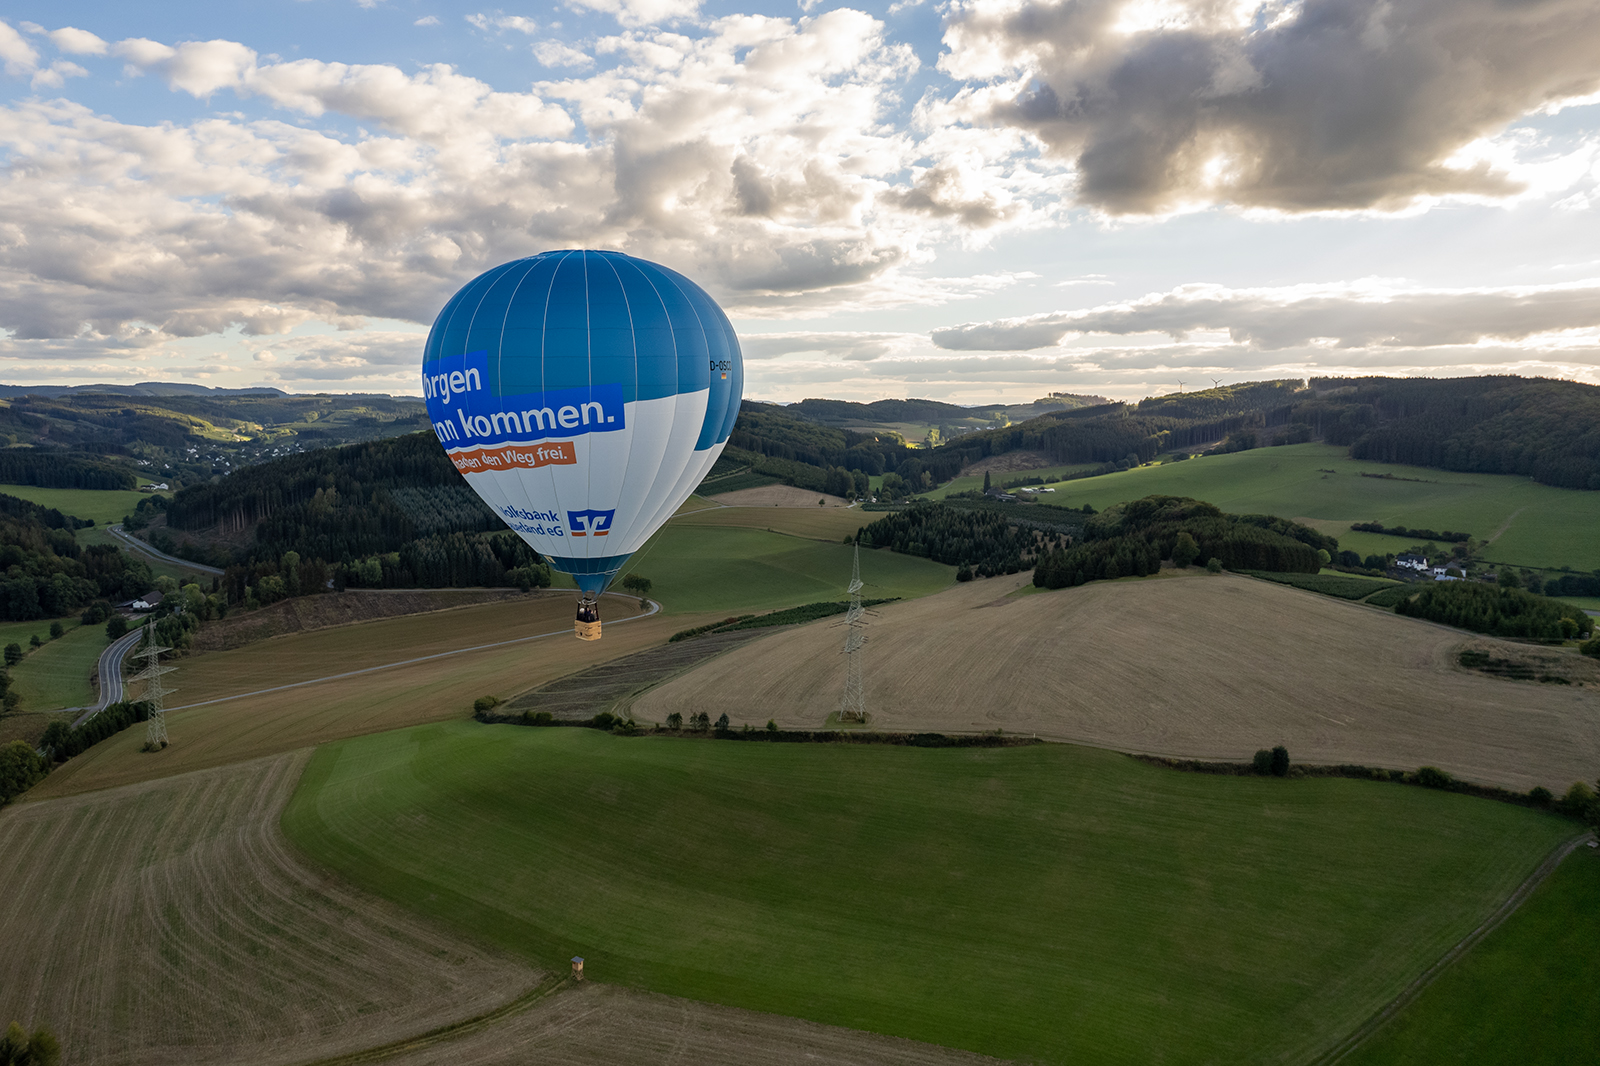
point(303, 614)
point(1190, 665)
point(432, 691)
point(606, 1026)
point(170, 922)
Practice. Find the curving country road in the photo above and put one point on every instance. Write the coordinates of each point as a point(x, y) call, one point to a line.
point(110, 671)
point(135, 544)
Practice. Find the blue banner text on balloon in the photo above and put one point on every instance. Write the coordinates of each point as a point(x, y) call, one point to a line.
point(465, 412)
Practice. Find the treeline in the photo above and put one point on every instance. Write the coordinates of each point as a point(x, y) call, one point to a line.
point(60, 470)
point(44, 573)
point(64, 741)
point(1132, 539)
point(1533, 427)
point(1497, 611)
point(984, 542)
point(1419, 534)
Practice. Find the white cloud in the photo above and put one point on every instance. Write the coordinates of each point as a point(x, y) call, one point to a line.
point(632, 14)
point(517, 23)
point(76, 42)
point(427, 20)
point(56, 74)
point(19, 57)
point(554, 54)
point(1370, 314)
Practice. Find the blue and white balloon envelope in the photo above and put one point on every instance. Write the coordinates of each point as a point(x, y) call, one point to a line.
point(583, 395)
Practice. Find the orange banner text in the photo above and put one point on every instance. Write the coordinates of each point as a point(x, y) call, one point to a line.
point(527, 456)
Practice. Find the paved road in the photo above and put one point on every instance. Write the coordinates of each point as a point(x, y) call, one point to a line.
point(110, 670)
point(654, 607)
point(135, 544)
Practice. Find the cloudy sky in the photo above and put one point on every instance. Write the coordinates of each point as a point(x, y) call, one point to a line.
point(968, 200)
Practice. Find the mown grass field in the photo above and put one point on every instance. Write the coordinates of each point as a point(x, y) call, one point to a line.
point(57, 674)
point(706, 568)
point(23, 632)
point(105, 506)
point(1543, 526)
point(1525, 995)
point(973, 483)
point(1049, 904)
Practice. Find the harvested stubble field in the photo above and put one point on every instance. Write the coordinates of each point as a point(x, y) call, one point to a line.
point(778, 496)
point(1191, 665)
point(1048, 903)
point(603, 1025)
point(171, 922)
point(431, 691)
point(304, 614)
point(815, 523)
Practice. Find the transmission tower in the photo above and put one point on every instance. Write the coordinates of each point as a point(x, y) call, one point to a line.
point(853, 707)
point(155, 693)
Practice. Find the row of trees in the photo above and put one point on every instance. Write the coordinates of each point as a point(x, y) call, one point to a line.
point(1497, 610)
point(61, 470)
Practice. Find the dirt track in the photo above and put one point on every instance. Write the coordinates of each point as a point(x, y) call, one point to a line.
point(171, 922)
point(605, 1026)
point(1187, 665)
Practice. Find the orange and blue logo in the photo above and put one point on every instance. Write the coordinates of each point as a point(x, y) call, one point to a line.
point(584, 523)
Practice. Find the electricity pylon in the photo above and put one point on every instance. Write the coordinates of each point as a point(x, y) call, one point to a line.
point(155, 694)
point(853, 707)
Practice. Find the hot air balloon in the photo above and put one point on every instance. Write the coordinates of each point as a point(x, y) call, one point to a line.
point(583, 394)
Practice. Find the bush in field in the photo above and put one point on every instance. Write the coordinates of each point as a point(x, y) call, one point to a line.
point(1185, 550)
point(485, 703)
point(1579, 802)
point(20, 769)
point(57, 630)
point(13, 654)
point(1280, 761)
point(1433, 777)
point(674, 721)
point(1262, 763)
point(18, 1048)
point(1214, 565)
point(639, 586)
point(117, 627)
point(1591, 647)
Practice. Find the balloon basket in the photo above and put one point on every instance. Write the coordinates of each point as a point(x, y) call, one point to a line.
point(587, 624)
point(587, 630)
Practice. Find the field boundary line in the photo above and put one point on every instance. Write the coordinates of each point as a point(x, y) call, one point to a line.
point(654, 608)
point(1365, 1031)
point(548, 986)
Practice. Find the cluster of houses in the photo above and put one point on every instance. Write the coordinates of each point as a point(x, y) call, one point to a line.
point(1418, 565)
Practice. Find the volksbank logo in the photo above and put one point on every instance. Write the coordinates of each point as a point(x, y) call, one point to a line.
point(528, 516)
point(464, 412)
point(584, 523)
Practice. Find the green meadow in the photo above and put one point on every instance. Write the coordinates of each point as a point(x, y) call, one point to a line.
point(105, 506)
point(696, 568)
point(1528, 993)
point(1537, 526)
point(57, 674)
point(1049, 904)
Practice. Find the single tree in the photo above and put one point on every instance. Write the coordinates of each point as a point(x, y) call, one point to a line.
point(13, 654)
point(117, 627)
point(674, 721)
point(722, 724)
point(1262, 763)
point(35, 641)
point(639, 586)
point(56, 630)
point(1214, 565)
point(1185, 550)
point(772, 727)
point(986, 481)
point(1280, 761)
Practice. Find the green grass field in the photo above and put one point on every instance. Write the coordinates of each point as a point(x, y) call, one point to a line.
point(22, 632)
point(697, 568)
point(969, 484)
point(1526, 995)
point(57, 675)
point(1049, 904)
point(1545, 527)
point(105, 506)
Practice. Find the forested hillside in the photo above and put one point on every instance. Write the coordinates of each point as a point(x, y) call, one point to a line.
point(44, 573)
point(1540, 428)
point(388, 513)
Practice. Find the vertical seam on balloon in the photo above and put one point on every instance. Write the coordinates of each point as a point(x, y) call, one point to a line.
point(544, 330)
point(662, 456)
point(588, 347)
point(533, 264)
point(677, 382)
point(697, 318)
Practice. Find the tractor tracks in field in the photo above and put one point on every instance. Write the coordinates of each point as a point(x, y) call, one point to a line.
point(1365, 1031)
